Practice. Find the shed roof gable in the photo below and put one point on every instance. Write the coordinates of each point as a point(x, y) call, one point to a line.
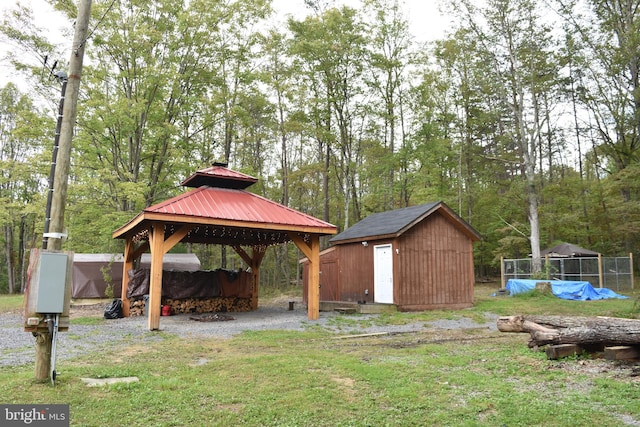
point(393, 223)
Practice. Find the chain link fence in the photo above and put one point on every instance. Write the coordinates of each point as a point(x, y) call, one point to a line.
point(615, 273)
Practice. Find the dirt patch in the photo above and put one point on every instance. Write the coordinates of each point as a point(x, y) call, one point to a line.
point(598, 367)
point(216, 317)
point(87, 310)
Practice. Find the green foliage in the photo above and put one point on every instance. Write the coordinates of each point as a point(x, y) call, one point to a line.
point(452, 377)
point(340, 114)
point(21, 175)
point(11, 303)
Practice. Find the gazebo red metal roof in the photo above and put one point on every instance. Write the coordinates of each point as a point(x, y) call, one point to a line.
point(225, 215)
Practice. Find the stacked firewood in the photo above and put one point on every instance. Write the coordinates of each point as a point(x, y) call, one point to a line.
point(208, 305)
point(196, 305)
point(136, 308)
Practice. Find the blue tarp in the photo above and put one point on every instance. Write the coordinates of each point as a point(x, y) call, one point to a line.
point(579, 291)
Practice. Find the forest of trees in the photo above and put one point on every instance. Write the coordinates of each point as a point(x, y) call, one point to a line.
point(524, 118)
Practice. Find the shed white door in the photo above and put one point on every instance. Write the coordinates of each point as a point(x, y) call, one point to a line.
point(383, 274)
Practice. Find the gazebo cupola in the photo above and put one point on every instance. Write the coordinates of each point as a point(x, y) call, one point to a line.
point(218, 175)
point(219, 210)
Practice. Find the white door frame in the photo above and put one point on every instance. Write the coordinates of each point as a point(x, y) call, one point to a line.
point(383, 274)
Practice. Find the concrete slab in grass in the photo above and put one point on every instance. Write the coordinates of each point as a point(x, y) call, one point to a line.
point(99, 382)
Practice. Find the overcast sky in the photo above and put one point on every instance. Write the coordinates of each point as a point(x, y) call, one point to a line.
point(425, 20)
point(426, 23)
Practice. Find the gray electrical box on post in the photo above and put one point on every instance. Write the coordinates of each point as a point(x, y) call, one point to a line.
point(48, 297)
point(48, 289)
point(52, 280)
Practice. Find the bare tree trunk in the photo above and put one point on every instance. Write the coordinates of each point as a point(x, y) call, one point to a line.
point(9, 257)
point(544, 330)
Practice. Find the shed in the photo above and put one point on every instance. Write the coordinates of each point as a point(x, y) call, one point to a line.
point(418, 258)
point(219, 210)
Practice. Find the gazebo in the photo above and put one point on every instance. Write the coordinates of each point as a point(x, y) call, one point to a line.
point(218, 210)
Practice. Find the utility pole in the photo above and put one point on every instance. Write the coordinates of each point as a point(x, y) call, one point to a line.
point(63, 159)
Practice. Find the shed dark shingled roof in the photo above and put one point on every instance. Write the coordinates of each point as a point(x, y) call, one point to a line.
point(568, 250)
point(393, 223)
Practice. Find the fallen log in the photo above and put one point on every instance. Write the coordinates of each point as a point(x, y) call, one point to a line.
point(516, 323)
point(606, 331)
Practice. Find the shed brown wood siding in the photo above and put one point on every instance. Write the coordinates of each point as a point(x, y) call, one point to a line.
point(346, 272)
point(356, 271)
point(434, 267)
point(329, 287)
point(329, 276)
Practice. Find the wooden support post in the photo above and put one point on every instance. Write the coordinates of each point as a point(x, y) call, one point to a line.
point(156, 237)
point(631, 269)
point(255, 288)
point(547, 267)
point(600, 273)
point(43, 355)
point(312, 251)
point(313, 297)
point(257, 257)
point(127, 265)
point(44, 346)
point(253, 261)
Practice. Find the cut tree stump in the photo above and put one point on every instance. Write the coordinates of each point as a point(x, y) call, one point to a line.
point(544, 288)
point(583, 331)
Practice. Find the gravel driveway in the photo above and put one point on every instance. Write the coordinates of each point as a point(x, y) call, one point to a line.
point(18, 347)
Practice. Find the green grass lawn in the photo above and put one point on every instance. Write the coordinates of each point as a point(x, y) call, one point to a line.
point(280, 378)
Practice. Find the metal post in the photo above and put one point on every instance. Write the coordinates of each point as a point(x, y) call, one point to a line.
point(52, 172)
point(631, 269)
point(600, 272)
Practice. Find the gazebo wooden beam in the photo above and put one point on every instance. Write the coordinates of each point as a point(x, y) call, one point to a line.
point(176, 237)
point(156, 240)
point(254, 260)
point(159, 246)
point(144, 247)
point(312, 251)
point(243, 254)
point(131, 253)
point(127, 264)
point(145, 217)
